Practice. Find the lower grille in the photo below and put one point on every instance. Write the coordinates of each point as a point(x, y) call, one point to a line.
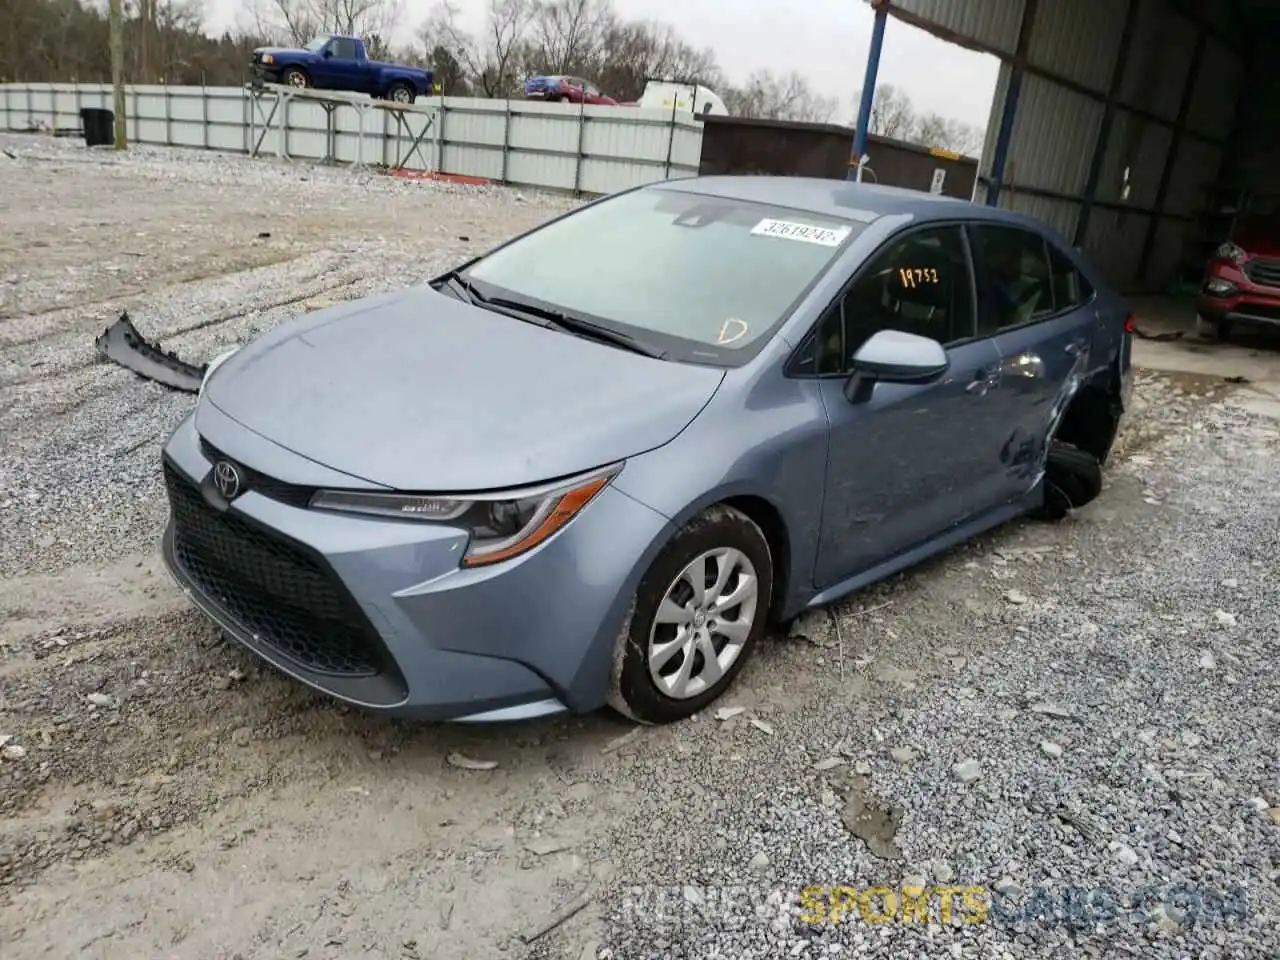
point(1265, 273)
point(272, 588)
point(1264, 311)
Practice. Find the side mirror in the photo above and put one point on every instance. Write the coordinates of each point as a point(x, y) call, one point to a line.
point(892, 356)
point(327, 53)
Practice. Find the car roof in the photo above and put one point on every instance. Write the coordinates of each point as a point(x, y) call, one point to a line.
point(846, 199)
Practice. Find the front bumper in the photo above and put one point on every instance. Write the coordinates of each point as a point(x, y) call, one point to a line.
point(264, 73)
point(378, 613)
point(1251, 301)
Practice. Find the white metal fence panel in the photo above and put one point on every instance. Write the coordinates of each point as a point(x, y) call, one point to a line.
point(587, 149)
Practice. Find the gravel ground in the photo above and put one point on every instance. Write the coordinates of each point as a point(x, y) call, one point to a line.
point(1080, 716)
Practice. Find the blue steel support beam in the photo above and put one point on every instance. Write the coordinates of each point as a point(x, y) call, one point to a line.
point(1179, 129)
point(1018, 66)
point(1108, 119)
point(881, 8)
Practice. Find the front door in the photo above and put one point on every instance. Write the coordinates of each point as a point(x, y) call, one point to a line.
point(912, 460)
point(1038, 309)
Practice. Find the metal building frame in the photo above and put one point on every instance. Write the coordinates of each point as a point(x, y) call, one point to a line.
point(1020, 65)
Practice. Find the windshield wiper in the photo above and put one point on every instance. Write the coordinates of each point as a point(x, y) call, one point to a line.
point(576, 325)
point(462, 288)
point(547, 317)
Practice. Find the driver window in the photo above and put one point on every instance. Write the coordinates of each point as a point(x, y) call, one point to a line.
point(920, 284)
point(343, 48)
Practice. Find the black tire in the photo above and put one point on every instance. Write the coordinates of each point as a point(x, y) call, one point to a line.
point(1217, 330)
point(410, 95)
point(633, 691)
point(295, 77)
point(1072, 478)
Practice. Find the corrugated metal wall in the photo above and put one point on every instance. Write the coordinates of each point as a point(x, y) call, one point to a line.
point(592, 150)
point(1071, 52)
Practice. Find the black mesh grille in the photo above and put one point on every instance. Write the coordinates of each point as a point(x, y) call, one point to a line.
point(1264, 272)
point(274, 589)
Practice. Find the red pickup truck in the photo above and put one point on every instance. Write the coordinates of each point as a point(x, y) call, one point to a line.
point(1242, 280)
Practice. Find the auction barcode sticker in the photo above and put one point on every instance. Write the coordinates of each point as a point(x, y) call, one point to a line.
point(804, 232)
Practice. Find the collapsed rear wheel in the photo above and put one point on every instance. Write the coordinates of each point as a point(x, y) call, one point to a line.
point(699, 611)
point(293, 77)
point(1072, 478)
point(401, 93)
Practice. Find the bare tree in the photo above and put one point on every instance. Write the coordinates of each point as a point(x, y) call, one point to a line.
point(116, 14)
point(786, 97)
point(892, 112)
point(494, 59)
point(298, 21)
point(636, 52)
point(935, 130)
point(569, 35)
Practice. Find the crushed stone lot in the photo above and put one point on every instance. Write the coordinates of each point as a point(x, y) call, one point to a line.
point(1066, 734)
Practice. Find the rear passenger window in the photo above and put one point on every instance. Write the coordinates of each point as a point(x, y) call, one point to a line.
point(1070, 288)
point(1014, 280)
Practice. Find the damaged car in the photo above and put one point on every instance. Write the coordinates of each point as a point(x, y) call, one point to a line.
point(593, 465)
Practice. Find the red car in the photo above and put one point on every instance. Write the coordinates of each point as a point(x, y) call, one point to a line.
point(566, 90)
point(1242, 281)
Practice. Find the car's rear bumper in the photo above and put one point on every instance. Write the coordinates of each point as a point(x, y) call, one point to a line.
point(379, 614)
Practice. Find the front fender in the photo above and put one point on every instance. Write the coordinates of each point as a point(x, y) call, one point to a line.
point(304, 60)
point(768, 444)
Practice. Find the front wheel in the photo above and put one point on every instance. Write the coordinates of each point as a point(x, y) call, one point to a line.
point(1218, 330)
point(293, 77)
point(401, 93)
point(699, 611)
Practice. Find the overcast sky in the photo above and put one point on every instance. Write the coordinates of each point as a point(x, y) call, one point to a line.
point(825, 39)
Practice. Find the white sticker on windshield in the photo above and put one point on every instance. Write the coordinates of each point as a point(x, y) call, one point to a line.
point(804, 232)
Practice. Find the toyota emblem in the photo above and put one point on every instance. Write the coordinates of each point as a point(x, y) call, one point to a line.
point(227, 479)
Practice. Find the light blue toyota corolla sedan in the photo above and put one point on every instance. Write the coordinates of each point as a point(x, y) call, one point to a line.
point(593, 465)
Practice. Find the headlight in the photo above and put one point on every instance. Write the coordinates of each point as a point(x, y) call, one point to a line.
point(214, 364)
point(502, 525)
point(268, 58)
point(1229, 251)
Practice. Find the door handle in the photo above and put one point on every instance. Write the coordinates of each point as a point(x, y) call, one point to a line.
point(983, 382)
point(1026, 364)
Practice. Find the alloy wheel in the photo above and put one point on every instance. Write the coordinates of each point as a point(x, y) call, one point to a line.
point(703, 622)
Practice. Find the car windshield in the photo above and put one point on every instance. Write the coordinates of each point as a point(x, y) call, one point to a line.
point(703, 278)
point(318, 44)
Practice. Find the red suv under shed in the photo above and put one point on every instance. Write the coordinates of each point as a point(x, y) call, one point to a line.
point(1242, 280)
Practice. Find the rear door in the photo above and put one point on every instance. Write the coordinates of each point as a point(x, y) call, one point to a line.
point(914, 459)
point(1040, 312)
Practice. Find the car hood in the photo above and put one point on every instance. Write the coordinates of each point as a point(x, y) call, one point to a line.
point(419, 391)
point(275, 50)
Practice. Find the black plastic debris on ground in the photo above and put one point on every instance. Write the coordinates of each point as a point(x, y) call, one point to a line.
point(122, 343)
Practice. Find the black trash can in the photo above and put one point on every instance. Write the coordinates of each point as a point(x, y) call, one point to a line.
point(99, 126)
